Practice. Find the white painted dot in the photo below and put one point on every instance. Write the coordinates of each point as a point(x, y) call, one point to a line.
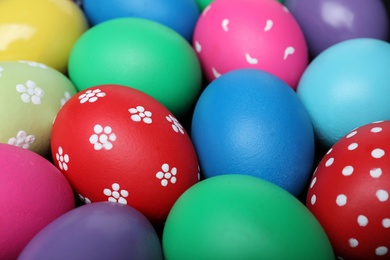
point(329, 162)
point(376, 129)
point(351, 134)
point(352, 146)
point(381, 250)
point(386, 222)
point(341, 200)
point(376, 172)
point(353, 242)
point(313, 182)
point(382, 195)
point(329, 151)
point(348, 170)
point(376, 122)
point(377, 153)
point(362, 220)
point(313, 199)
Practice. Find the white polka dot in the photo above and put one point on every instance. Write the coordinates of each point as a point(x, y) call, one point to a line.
point(348, 170)
point(382, 250)
point(376, 122)
point(362, 220)
point(329, 162)
point(341, 200)
point(329, 151)
point(352, 146)
point(351, 134)
point(377, 153)
point(313, 199)
point(376, 172)
point(313, 182)
point(382, 195)
point(386, 222)
point(376, 129)
point(353, 242)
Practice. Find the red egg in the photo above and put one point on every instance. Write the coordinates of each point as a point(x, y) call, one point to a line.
point(119, 144)
point(349, 193)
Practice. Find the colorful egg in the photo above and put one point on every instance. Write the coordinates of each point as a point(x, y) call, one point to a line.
point(33, 192)
point(141, 54)
point(349, 193)
point(327, 22)
point(179, 15)
point(242, 217)
point(42, 31)
point(347, 86)
point(119, 144)
point(31, 95)
point(251, 122)
point(257, 34)
point(101, 230)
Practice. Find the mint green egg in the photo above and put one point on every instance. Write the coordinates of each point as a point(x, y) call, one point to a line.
point(31, 94)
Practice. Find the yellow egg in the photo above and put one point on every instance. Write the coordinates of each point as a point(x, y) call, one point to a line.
point(43, 31)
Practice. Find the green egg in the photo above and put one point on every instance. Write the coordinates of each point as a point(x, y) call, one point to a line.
point(31, 94)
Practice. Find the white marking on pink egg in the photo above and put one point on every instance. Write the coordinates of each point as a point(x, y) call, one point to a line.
point(250, 59)
point(215, 73)
point(268, 25)
point(198, 47)
point(362, 220)
point(341, 200)
point(386, 222)
point(353, 242)
point(347, 171)
point(352, 146)
point(382, 195)
point(288, 51)
point(377, 153)
point(376, 173)
point(381, 250)
point(329, 162)
point(225, 25)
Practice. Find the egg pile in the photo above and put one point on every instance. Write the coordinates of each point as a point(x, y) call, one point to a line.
point(194, 129)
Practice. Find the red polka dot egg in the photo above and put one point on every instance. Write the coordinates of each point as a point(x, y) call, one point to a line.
point(116, 143)
point(349, 193)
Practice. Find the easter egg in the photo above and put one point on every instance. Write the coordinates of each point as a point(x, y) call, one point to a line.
point(101, 230)
point(141, 54)
point(257, 34)
point(31, 95)
point(251, 122)
point(179, 15)
point(33, 192)
point(349, 193)
point(327, 22)
point(242, 217)
point(347, 86)
point(116, 143)
point(42, 31)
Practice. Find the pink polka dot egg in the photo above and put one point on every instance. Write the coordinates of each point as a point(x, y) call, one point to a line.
point(349, 193)
point(259, 34)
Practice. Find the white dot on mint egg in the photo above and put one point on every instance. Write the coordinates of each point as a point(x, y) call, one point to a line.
point(376, 172)
point(362, 220)
point(382, 250)
point(353, 242)
point(376, 129)
point(386, 222)
point(377, 153)
point(329, 162)
point(313, 199)
point(382, 195)
point(341, 200)
point(348, 170)
point(352, 146)
point(313, 182)
point(351, 134)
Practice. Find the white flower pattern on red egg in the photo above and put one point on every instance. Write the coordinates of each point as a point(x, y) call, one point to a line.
point(116, 194)
point(91, 96)
point(176, 126)
point(167, 175)
point(102, 137)
point(139, 114)
point(62, 159)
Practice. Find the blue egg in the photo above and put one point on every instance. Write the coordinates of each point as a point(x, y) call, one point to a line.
point(347, 86)
point(250, 122)
point(179, 15)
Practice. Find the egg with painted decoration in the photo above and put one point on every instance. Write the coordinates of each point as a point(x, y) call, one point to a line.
point(116, 143)
point(349, 193)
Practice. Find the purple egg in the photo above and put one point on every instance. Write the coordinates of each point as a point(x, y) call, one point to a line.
point(101, 230)
point(327, 22)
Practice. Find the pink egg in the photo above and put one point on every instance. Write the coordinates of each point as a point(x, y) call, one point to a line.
point(259, 34)
point(33, 192)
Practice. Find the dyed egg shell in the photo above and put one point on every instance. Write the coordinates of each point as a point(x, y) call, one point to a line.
point(33, 192)
point(141, 54)
point(327, 22)
point(101, 230)
point(242, 217)
point(119, 144)
point(251, 122)
point(257, 34)
point(31, 95)
point(347, 86)
point(45, 35)
point(179, 15)
point(349, 193)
